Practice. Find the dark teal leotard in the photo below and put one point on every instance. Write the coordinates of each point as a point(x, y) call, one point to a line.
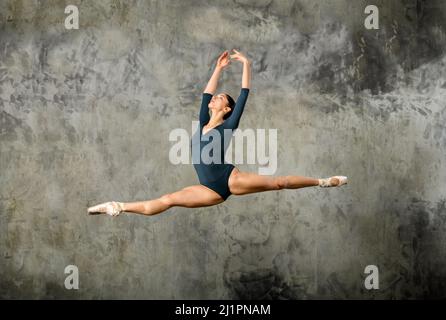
point(215, 174)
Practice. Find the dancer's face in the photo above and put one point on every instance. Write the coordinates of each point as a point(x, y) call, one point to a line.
point(219, 102)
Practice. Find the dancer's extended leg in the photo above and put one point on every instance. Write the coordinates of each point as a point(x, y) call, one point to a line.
point(189, 197)
point(245, 182)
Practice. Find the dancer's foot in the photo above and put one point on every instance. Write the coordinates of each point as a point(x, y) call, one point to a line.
point(335, 181)
point(111, 208)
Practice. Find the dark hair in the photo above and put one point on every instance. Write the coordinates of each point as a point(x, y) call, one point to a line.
point(231, 105)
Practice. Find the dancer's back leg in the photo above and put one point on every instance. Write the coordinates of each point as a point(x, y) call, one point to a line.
point(241, 183)
point(190, 197)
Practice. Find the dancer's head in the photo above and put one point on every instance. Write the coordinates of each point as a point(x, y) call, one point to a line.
point(222, 102)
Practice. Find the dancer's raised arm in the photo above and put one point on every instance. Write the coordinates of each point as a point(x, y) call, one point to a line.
point(233, 121)
point(246, 78)
point(222, 62)
point(209, 91)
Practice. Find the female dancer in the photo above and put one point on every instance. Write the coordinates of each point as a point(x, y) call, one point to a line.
point(218, 180)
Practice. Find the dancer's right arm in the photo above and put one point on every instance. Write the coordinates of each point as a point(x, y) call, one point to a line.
point(211, 87)
point(222, 62)
point(207, 96)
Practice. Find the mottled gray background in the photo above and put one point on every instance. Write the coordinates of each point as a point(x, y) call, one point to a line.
point(85, 116)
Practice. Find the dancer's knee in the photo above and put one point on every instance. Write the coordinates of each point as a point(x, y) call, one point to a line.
point(281, 183)
point(167, 200)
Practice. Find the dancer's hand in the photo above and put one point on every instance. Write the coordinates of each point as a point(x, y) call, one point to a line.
point(239, 56)
point(223, 61)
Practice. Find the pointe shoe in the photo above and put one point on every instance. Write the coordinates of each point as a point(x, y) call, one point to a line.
point(324, 183)
point(111, 208)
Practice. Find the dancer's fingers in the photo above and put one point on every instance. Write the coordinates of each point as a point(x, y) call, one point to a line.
point(223, 55)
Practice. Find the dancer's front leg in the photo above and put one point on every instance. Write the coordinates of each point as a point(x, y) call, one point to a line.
point(189, 197)
point(241, 183)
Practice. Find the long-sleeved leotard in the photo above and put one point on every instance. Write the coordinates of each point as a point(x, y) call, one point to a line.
point(212, 170)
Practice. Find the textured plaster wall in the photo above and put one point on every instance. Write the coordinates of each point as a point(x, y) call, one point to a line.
point(85, 117)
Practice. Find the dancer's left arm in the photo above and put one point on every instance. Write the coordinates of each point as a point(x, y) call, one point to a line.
point(233, 121)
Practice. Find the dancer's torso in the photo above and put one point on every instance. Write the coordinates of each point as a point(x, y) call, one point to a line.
point(208, 152)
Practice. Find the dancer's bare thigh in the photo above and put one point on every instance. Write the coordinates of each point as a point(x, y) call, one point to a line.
point(195, 196)
point(246, 182)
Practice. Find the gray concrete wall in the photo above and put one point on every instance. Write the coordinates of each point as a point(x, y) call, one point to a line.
point(85, 117)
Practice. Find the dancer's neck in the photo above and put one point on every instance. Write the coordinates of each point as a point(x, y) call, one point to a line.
point(215, 121)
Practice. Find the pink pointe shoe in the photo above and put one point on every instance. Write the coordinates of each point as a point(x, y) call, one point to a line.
point(328, 182)
point(111, 208)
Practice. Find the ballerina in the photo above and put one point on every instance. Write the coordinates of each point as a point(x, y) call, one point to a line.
point(220, 179)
